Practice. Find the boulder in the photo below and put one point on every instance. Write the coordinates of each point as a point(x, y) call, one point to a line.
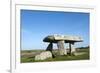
point(43, 55)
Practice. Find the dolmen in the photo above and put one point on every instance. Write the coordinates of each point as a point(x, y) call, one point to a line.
point(60, 40)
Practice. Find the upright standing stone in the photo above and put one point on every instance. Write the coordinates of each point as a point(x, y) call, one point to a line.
point(72, 49)
point(61, 49)
point(50, 47)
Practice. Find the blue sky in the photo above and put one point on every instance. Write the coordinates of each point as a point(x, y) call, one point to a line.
point(35, 25)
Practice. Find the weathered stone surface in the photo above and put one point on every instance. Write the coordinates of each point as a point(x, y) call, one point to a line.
point(61, 49)
point(66, 38)
point(72, 49)
point(43, 55)
point(62, 52)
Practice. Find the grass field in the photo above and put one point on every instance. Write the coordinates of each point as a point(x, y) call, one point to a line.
point(29, 55)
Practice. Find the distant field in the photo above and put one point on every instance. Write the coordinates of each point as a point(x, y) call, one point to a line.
point(28, 56)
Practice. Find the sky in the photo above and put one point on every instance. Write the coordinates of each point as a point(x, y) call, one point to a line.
point(36, 25)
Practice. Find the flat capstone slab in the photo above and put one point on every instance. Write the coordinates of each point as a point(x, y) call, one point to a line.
point(56, 38)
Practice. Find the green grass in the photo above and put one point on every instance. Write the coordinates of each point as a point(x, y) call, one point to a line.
point(28, 56)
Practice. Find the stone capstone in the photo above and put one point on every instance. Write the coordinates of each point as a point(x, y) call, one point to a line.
point(66, 38)
point(43, 55)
